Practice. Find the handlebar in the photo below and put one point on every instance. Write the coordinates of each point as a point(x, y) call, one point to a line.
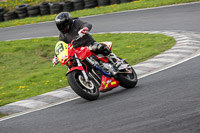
point(77, 38)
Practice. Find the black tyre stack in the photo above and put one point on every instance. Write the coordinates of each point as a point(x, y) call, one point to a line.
point(90, 3)
point(10, 15)
point(55, 8)
point(114, 1)
point(68, 6)
point(33, 10)
point(44, 8)
point(103, 2)
point(2, 12)
point(24, 10)
point(21, 10)
point(125, 1)
point(78, 4)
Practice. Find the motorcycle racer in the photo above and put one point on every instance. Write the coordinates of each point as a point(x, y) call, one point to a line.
point(71, 27)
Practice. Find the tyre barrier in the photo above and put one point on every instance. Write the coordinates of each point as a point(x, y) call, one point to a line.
point(90, 3)
point(125, 1)
point(21, 10)
point(78, 4)
point(55, 8)
point(2, 12)
point(33, 10)
point(103, 2)
point(1, 9)
point(10, 15)
point(45, 8)
point(68, 6)
point(1, 18)
point(114, 1)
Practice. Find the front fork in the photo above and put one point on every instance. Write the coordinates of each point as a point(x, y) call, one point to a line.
point(83, 71)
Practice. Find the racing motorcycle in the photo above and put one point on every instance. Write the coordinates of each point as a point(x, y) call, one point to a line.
point(89, 74)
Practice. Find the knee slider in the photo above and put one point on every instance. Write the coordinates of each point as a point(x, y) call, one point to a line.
point(93, 47)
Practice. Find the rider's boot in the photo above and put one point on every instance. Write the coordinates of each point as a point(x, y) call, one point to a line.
point(115, 60)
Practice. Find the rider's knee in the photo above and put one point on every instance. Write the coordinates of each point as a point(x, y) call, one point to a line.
point(99, 48)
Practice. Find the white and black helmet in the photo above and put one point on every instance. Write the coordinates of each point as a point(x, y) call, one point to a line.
point(63, 21)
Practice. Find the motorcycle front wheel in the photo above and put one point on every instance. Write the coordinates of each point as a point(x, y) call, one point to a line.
point(86, 90)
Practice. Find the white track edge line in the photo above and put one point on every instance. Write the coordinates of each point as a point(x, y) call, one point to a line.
point(35, 110)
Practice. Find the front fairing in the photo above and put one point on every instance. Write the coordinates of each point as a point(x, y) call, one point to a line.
point(83, 52)
point(108, 83)
point(64, 52)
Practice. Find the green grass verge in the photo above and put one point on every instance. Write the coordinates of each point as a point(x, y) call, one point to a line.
point(97, 10)
point(26, 69)
point(2, 115)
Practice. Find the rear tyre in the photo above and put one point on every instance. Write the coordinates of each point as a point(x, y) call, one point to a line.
point(24, 15)
point(128, 79)
point(10, 15)
point(45, 8)
point(78, 4)
point(55, 8)
point(88, 91)
point(1, 9)
point(103, 2)
point(68, 6)
point(125, 1)
point(33, 10)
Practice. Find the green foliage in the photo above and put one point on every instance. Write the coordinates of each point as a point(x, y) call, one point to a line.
point(86, 12)
point(26, 69)
point(2, 115)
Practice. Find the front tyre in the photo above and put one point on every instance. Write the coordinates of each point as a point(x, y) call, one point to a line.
point(86, 90)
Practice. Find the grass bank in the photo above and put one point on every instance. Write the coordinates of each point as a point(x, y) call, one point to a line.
point(2, 115)
point(97, 10)
point(26, 69)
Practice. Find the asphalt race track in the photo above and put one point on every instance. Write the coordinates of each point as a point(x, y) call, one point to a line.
point(165, 102)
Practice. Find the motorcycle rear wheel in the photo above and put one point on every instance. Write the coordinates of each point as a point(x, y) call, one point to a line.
point(88, 91)
point(127, 80)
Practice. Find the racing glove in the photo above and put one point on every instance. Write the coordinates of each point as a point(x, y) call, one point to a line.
point(55, 61)
point(83, 31)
